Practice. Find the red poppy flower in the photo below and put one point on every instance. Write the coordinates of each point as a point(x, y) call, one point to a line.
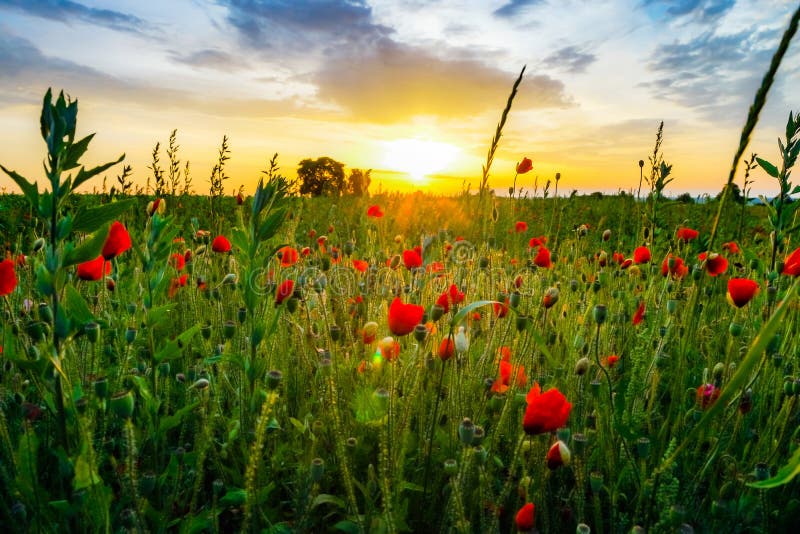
point(501, 308)
point(731, 247)
point(178, 261)
point(546, 412)
point(288, 256)
point(638, 317)
point(92, 270)
point(641, 255)
point(239, 199)
point(791, 265)
point(610, 361)
point(177, 283)
point(537, 241)
point(8, 277)
point(284, 291)
point(221, 244)
point(674, 265)
point(117, 242)
point(374, 211)
point(360, 265)
point(520, 227)
point(707, 394)
point(450, 296)
point(626, 263)
point(20, 259)
point(434, 267)
point(447, 348)
point(715, 263)
point(741, 291)
point(404, 317)
point(524, 166)
point(389, 348)
point(503, 382)
point(542, 258)
point(686, 234)
point(618, 257)
point(525, 518)
point(412, 258)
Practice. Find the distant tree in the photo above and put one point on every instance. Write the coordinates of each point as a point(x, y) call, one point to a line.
point(734, 195)
point(358, 182)
point(685, 198)
point(321, 176)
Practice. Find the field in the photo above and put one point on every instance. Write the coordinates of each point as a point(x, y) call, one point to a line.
point(273, 363)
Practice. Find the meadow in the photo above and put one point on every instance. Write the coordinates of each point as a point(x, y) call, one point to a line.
point(267, 362)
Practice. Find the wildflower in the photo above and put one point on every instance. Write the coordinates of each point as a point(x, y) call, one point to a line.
point(674, 265)
point(537, 241)
point(546, 411)
point(618, 257)
point(686, 234)
point(550, 297)
point(731, 247)
point(8, 278)
point(450, 296)
point(93, 270)
point(368, 332)
point(178, 261)
point(791, 265)
point(177, 283)
point(221, 244)
point(602, 258)
point(446, 348)
point(404, 317)
point(503, 382)
point(374, 211)
point(288, 256)
point(117, 242)
point(390, 349)
point(542, 258)
point(521, 227)
point(638, 317)
point(558, 455)
point(524, 166)
point(715, 263)
point(741, 291)
point(707, 394)
point(434, 267)
point(525, 518)
point(156, 206)
point(606, 234)
point(501, 308)
point(641, 255)
point(284, 291)
point(610, 361)
point(360, 265)
point(461, 341)
point(239, 198)
point(412, 258)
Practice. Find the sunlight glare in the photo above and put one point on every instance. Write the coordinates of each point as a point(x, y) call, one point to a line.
point(418, 158)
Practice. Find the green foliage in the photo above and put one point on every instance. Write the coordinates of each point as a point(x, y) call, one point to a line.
point(321, 176)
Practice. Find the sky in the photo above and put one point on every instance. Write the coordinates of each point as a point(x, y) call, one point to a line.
point(411, 89)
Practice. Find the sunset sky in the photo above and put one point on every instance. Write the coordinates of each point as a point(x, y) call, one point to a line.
point(412, 89)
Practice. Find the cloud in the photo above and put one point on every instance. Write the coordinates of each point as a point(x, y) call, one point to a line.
point(514, 7)
point(570, 59)
point(210, 58)
point(303, 23)
point(710, 72)
point(703, 11)
point(67, 10)
point(392, 82)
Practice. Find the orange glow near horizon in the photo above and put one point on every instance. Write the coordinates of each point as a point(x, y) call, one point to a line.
point(418, 158)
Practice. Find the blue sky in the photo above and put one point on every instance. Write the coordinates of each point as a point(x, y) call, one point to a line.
point(354, 80)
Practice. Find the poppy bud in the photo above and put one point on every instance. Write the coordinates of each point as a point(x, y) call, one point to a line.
point(583, 528)
point(514, 299)
point(130, 335)
point(606, 234)
point(461, 341)
point(600, 312)
point(292, 304)
point(450, 467)
point(478, 436)
point(437, 310)
point(335, 332)
point(719, 369)
point(522, 322)
point(163, 368)
point(761, 471)
point(582, 366)
point(466, 431)
point(200, 383)
point(122, 404)
point(420, 332)
point(317, 469)
point(735, 329)
point(672, 306)
point(348, 248)
point(596, 481)
point(788, 387)
point(550, 297)
point(558, 455)
point(228, 329)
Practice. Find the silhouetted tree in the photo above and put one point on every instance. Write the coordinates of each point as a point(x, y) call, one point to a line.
point(358, 182)
point(321, 176)
point(734, 195)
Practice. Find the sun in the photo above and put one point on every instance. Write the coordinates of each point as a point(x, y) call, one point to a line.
point(418, 158)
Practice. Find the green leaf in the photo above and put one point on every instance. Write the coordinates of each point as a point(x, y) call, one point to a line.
point(89, 219)
point(157, 315)
point(75, 151)
point(171, 421)
point(88, 250)
point(84, 175)
point(271, 224)
point(234, 497)
point(86, 474)
point(325, 498)
point(463, 312)
point(173, 347)
point(79, 311)
point(29, 189)
point(784, 475)
point(770, 169)
point(347, 526)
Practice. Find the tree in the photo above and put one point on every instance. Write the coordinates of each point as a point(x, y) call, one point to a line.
point(735, 193)
point(322, 176)
point(358, 182)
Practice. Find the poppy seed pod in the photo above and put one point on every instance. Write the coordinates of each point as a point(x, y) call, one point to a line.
point(122, 404)
point(600, 312)
point(450, 466)
point(317, 469)
point(466, 431)
point(92, 331)
point(101, 388)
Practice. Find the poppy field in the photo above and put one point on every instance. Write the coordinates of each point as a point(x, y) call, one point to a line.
point(269, 363)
